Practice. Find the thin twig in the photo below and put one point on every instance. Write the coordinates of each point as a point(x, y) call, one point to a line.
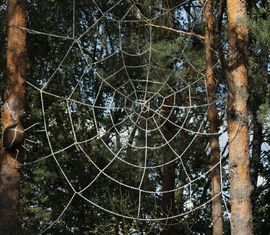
point(175, 30)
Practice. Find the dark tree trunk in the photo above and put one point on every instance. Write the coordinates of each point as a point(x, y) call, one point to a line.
point(258, 98)
point(256, 150)
point(14, 97)
point(168, 171)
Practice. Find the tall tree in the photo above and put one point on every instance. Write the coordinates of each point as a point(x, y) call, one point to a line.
point(258, 101)
point(212, 117)
point(258, 69)
point(237, 79)
point(14, 97)
point(168, 174)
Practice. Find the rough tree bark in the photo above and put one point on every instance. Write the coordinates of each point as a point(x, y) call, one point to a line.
point(14, 97)
point(237, 114)
point(217, 221)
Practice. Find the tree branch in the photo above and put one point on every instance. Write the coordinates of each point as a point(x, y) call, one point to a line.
point(175, 30)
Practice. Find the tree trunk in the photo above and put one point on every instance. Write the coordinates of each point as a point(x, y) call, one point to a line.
point(14, 97)
point(256, 149)
point(259, 94)
point(212, 118)
point(237, 114)
point(168, 171)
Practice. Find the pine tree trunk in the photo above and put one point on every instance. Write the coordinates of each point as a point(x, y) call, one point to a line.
point(237, 114)
point(168, 171)
point(13, 104)
point(256, 149)
point(259, 94)
point(212, 118)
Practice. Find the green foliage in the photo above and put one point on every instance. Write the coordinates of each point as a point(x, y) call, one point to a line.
point(264, 114)
point(259, 26)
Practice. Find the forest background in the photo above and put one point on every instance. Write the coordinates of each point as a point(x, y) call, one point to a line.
point(120, 38)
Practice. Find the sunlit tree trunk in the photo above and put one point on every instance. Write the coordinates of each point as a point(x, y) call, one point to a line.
point(14, 96)
point(212, 118)
point(237, 114)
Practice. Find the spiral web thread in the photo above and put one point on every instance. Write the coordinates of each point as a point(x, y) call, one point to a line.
point(141, 110)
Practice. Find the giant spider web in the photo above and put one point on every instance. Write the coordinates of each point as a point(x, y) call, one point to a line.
point(123, 107)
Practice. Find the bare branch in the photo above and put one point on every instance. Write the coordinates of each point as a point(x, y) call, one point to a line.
point(175, 30)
